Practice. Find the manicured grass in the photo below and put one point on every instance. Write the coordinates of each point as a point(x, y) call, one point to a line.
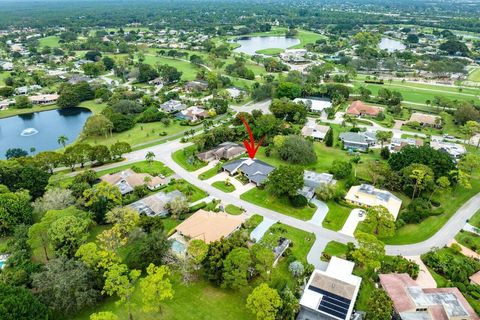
point(189, 71)
point(3, 75)
point(96, 108)
point(336, 216)
point(13, 111)
point(253, 222)
point(474, 75)
point(198, 300)
point(306, 37)
point(413, 233)
point(475, 220)
point(189, 190)
point(210, 172)
point(233, 210)
point(187, 160)
point(301, 240)
point(264, 199)
point(51, 41)
point(336, 249)
point(270, 51)
point(221, 185)
point(469, 240)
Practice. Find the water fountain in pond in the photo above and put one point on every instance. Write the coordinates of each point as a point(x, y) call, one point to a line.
point(29, 132)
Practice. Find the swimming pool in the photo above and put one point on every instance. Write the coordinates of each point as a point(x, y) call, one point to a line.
point(178, 247)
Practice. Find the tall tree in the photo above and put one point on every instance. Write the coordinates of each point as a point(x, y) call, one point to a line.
point(379, 306)
point(370, 251)
point(285, 180)
point(155, 287)
point(380, 221)
point(264, 302)
point(235, 268)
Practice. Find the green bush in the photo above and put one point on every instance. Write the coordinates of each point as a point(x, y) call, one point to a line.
point(197, 207)
point(298, 201)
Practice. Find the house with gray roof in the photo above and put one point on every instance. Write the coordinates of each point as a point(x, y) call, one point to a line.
point(254, 170)
point(312, 180)
point(226, 150)
point(360, 141)
point(172, 106)
point(156, 204)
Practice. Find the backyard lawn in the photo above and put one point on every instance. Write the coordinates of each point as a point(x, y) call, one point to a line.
point(187, 160)
point(222, 185)
point(210, 303)
point(264, 199)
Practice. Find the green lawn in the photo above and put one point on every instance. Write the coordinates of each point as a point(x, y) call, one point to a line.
point(189, 190)
point(221, 185)
point(210, 172)
point(336, 216)
point(264, 199)
point(413, 233)
point(336, 249)
point(187, 160)
point(189, 71)
point(469, 240)
point(253, 222)
point(270, 51)
point(475, 220)
point(198, 300)
point(13, 111)
point(474, 75)
point(233, 210)
point(3, 75)
point(51, 41)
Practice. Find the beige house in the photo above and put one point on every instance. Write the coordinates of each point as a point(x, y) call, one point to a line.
point(225, 150)
point(368, 196)
point(316, 131)
point(44, 99)
point(209, 226)
point(426, 119)
point(128, 179)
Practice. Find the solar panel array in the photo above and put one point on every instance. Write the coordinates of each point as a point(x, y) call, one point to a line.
point(332, 304)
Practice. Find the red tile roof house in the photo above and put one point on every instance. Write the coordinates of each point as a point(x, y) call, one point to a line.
point(413, 302)
point(358, 108)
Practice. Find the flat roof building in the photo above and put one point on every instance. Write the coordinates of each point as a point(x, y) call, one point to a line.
point(369, 196)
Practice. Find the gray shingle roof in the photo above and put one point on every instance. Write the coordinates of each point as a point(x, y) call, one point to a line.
point(255, 170)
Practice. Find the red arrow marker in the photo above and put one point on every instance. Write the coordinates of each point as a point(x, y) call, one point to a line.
point(251, 148)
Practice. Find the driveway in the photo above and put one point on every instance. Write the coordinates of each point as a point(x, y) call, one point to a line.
point(260, 230)
point(425, 279)
point(239, 187)
point(352, 222)
point(320, 214)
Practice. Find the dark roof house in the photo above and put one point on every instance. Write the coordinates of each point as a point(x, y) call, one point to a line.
point(255, 171)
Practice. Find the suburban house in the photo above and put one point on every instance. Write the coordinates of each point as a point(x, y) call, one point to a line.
point(172, 106)
point(369, 196)
point(235, 93)
point(358, 140)
point(396, 144)
point(475, 278)
point(294, 55)
point(426, 120)
point(330, 294)
point(358, 108)
point(315, 131)
point(315, 105)
point(225, 150)
point(128, 179)
point(254, 170)
point(197, 85)
point(193, 114)
point(77, 79)
point(156, 82)
point(455, 150)
point(312, 180)
point(156, 204)
point(44, 99)
point(411, 301)
point(6, 66)
point(27, 89)
point(206, 226)
point(4, 104)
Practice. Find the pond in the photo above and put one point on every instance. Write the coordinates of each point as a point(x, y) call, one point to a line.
point(40, 130)
point(391, 45)
point(250, 45)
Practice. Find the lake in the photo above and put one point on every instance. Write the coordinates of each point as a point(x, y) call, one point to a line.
point(391, 45)
point(41, 129)
point(250, 45)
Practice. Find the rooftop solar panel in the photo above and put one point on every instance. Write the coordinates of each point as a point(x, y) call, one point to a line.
point(332, 304)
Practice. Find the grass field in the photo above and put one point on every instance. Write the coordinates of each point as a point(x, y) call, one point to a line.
point(221, 185)
point(189, 71)
point(264, 199)
point(13, 112)
point(474, 75)
point(233, 210)
point(210, 172)
point(336, 249)
point(187, 160)
point(336, 216)
point(270, 52)
point(52, 42)
point(3, 75)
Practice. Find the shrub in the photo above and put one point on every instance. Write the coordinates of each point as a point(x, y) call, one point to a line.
point(197, 207)
point(298, 201)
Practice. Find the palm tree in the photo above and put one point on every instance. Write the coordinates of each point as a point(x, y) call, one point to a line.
point(149, 157)
point(62, 140)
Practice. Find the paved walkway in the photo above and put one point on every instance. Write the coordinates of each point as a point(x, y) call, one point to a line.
point(313, 256)
point(209, 166)
point(260, 230)
point(466, 251)
point(468, 227)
